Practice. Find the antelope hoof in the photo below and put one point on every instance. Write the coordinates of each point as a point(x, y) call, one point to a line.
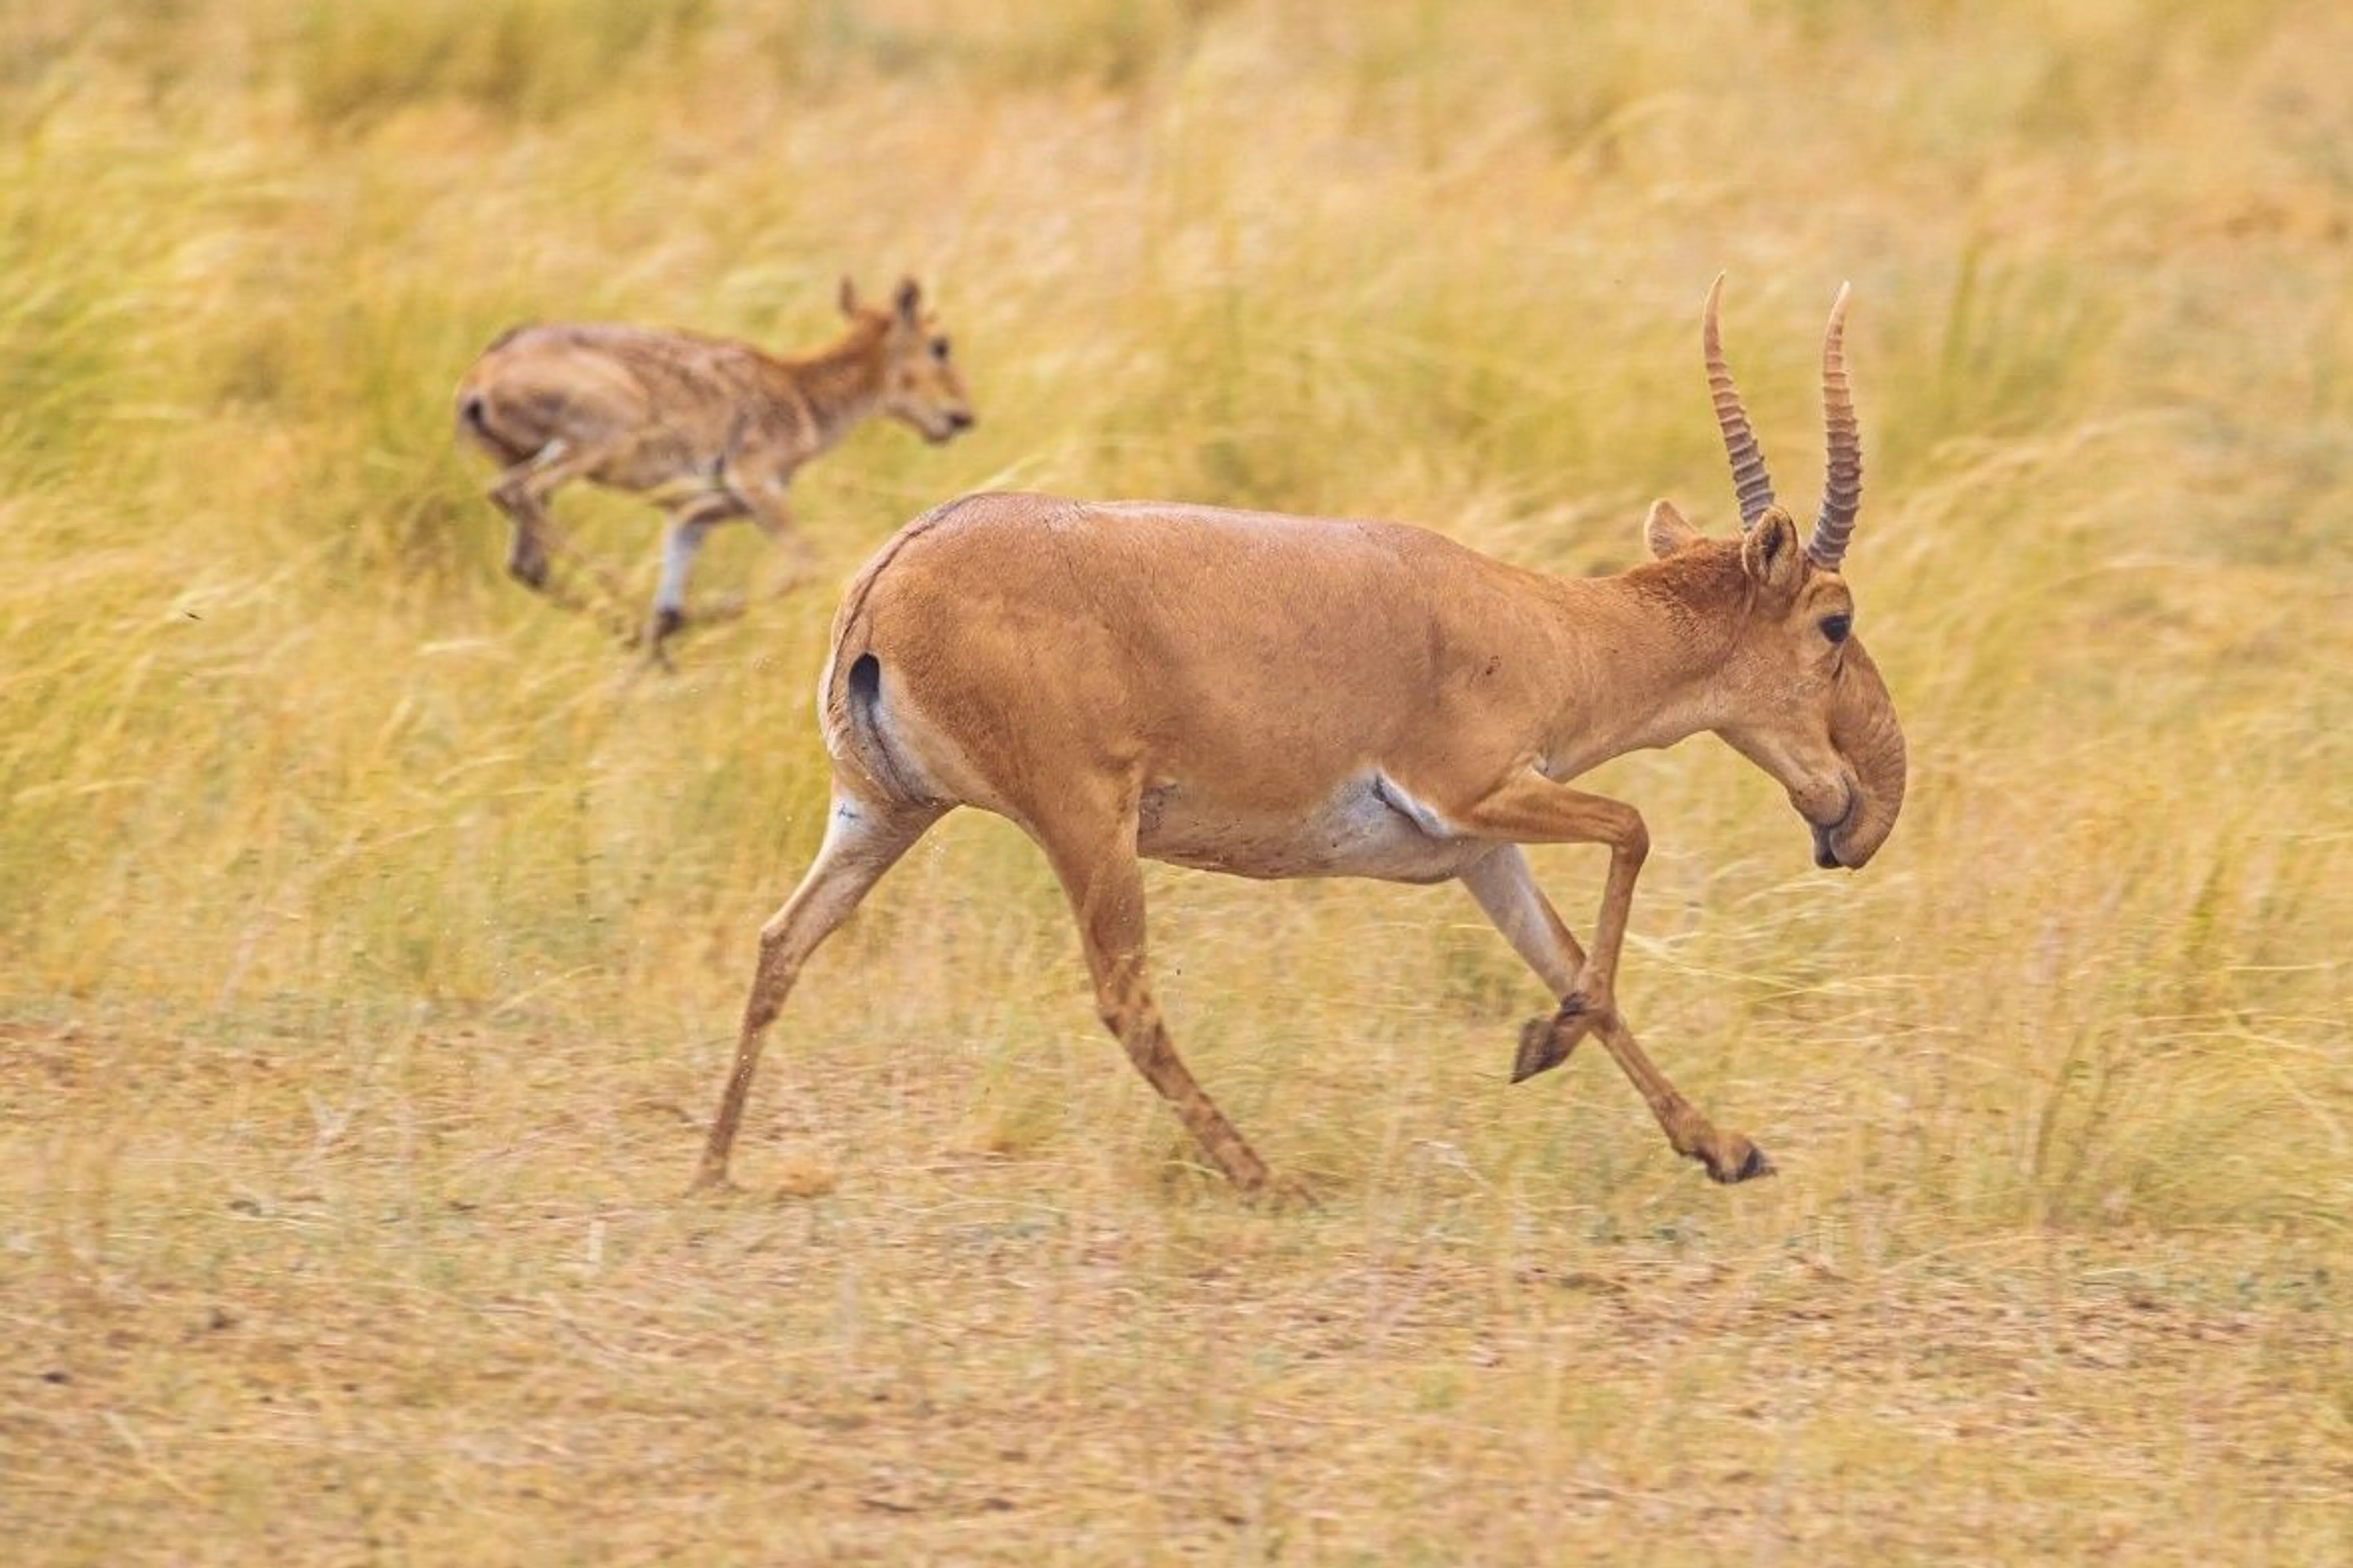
point(531, 574)
point(712, 1181)
point(654, 641)
point(1543, 1045)
point(1732, 1159)
point(1283, 1194)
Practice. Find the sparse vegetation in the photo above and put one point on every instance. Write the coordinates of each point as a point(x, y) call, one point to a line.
point(371, 947)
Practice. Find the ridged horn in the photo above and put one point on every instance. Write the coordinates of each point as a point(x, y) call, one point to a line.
point(1749, 480)
point(1842, 481)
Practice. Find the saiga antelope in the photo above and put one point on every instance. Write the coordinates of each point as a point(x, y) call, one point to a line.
point(1280, 696)
point(706, 427)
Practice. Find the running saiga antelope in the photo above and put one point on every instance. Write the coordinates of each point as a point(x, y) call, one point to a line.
point(1281, 696)
point(707, 428)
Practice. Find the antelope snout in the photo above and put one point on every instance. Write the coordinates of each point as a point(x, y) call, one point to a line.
point(1832, 828)
point(945, 425)
point(1856, 836)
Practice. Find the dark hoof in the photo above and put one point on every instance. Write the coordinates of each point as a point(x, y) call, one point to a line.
point(713, 1182)
point(1747, 1168)
point(654, 641)
point(1545, 1043)
point(1283, 1194)
point(1540, 1049)
point(533, 575)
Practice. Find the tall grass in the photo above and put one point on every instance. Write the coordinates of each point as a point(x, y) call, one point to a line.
point(289, 774)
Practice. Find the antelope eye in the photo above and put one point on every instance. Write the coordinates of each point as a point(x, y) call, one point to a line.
point(1836, 626)
point(939, 348)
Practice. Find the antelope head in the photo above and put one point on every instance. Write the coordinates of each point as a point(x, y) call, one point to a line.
point(1797, 693)
point(920, 385)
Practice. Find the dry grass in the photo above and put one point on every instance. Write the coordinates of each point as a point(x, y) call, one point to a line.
point(371, 946)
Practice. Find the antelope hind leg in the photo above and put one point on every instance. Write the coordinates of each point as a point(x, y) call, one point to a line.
point(863, 839)
point(1508, 895)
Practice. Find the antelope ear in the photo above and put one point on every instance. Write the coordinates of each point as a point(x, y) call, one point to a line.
point(1665, 531)
point(1769, 552)
point(848, 295)
point(909, 300)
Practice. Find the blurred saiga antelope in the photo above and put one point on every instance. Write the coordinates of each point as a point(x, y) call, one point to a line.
point(708, 428)
point(1277, 696)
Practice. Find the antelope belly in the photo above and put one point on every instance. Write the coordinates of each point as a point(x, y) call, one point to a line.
point(1369, 828)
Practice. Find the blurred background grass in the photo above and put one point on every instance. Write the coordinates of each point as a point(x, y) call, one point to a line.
point(290, 771)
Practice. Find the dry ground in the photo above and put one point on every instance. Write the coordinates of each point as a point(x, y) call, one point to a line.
point(261, 1315)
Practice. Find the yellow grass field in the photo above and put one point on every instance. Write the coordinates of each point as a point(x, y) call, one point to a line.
point(372, 940)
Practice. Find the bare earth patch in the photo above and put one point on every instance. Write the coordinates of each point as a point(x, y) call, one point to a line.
point(223, 1347)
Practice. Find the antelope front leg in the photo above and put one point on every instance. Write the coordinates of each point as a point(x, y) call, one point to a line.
point(1536, 810)
point(1728, 1156)
point(1531, 808)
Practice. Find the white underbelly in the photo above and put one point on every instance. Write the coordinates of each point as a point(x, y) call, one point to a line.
point(1370, 829)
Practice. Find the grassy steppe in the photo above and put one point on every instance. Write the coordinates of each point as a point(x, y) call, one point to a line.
point(372, 943)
